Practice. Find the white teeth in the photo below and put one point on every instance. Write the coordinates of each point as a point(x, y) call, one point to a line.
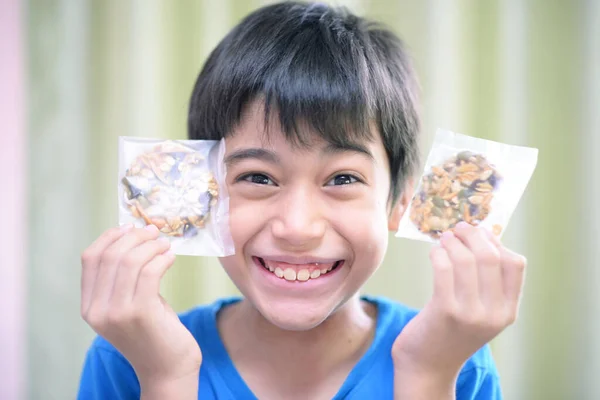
point(289, 274)
point(303, 275)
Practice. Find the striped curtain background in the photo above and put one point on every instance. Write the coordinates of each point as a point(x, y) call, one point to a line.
point(80, 73)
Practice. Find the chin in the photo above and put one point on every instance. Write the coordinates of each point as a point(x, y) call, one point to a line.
point(294, 315)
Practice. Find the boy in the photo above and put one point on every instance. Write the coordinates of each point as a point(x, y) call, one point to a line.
point(318, 111)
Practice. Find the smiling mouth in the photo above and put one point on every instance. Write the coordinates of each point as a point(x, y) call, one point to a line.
point(298, 272)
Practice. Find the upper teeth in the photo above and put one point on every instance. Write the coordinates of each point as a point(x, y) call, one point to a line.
point(302, 275)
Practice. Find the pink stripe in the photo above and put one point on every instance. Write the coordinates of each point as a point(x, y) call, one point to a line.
point(12, 202)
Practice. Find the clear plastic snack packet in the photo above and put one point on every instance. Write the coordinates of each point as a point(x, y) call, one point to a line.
point(467, 179)
point(179, 186)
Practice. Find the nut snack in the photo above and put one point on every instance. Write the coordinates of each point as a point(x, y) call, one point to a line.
point(467, 179)
point(460, 189)
point(174, 185)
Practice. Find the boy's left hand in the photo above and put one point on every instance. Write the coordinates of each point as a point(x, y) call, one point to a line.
point(477, 288)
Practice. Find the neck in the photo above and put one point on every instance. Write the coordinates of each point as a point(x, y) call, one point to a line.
point(334, 345)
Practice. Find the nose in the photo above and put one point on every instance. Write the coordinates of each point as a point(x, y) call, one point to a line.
point(299, 222)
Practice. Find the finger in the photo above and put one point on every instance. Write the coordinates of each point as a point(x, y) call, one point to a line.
point(489, 268)
point(131, 265)
point(514, 268)
point(111, 258)
point(513, 271)
point(493, 238)
point(148, 283)
point(465, 271)
point(443, 275)
point(90, 260)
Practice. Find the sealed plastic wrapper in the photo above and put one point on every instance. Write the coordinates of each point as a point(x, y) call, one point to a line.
point(179, 186)
point(467, 179)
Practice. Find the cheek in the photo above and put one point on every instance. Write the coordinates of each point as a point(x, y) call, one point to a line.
point(241, 226)
point(244, 221)
point(373, 241)
point(366, 231)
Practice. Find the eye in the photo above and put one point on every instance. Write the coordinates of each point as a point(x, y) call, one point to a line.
point(259, 179)
point(343, 179)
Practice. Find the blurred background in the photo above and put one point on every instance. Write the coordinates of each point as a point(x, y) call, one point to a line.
point(76, 74)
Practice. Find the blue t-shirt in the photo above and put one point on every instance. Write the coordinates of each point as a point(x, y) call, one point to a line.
point(108, 375)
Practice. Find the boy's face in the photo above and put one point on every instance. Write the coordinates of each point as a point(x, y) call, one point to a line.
point(297, 211)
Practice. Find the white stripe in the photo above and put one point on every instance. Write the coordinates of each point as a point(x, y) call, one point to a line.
point(146, 69)
point(216, 23)
point(513, 100)
point(13, 202)
point(446, 24)
point(590, 271)
point(59, 146)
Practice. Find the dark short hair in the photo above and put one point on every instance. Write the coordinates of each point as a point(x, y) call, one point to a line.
point(316, 66)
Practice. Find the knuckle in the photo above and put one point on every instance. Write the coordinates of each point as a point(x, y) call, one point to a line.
point(511, 316)
point(441, 265)
point(143, 235)
point(490, 257)
point(114, 231)
point(498, 321)
point(88, 256)
point(83, 311)
point(520, 263)
point(455, 313)
point(162, 244)
point(111, 257)
point(148, 273)
point(129, 260)
point(465, 259)
point(95, 318)
point(148, 232)
point(451, 309)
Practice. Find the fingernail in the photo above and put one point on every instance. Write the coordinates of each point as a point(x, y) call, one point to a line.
point(462, 225)
point(151, 227)
point(126, 227)
point(446, 235)
point(164, 239)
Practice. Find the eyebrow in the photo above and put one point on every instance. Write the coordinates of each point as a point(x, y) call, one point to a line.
point(257, 153)
point(252, 153)
point(333, 148)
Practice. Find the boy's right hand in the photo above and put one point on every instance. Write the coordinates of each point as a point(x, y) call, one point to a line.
point(120, 300)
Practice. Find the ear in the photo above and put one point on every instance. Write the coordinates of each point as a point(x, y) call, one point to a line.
point(401, 205)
